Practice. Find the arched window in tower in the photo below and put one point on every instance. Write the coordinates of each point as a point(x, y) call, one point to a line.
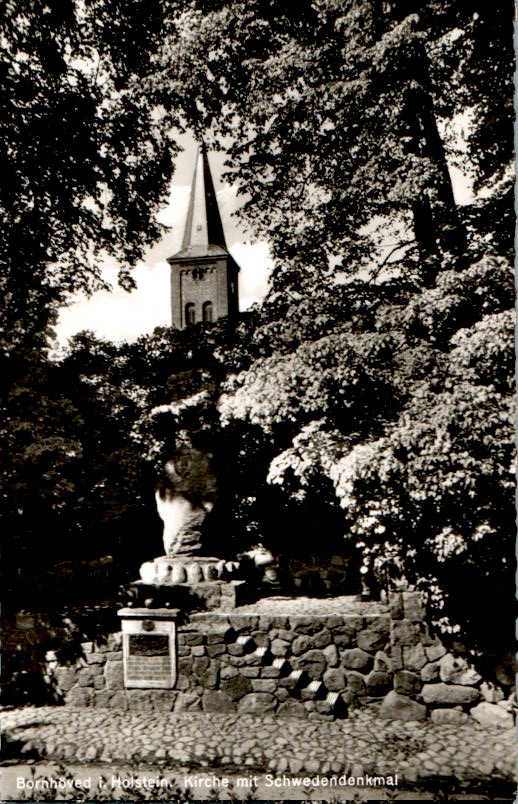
point(207, 312)
point(190, 314)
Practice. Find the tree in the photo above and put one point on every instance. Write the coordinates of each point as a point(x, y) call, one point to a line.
point(86, 439)
point(376, 411)
point(402, 412)
point(88, 158)
point(87, 153)
point(334, 113)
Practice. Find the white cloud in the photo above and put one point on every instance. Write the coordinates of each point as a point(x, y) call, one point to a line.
point(256, 264)
point(119, 315)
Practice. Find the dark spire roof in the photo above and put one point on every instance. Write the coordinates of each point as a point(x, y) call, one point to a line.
point(203, 233)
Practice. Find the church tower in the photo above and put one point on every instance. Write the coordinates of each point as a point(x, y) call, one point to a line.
point(203, 273)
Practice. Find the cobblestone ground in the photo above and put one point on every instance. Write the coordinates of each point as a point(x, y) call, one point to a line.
point(360, 744)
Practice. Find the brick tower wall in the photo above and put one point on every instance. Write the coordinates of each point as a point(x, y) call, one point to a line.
point(198, 282)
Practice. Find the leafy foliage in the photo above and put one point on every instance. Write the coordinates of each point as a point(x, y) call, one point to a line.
point(367, 403)
point(409, 415)
point(334, 113)
point(88, 157)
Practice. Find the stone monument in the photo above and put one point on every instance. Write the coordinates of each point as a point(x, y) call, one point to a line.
point(184, 498)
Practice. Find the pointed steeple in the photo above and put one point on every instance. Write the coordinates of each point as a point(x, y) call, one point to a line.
point(204, 275)
point(203, 233)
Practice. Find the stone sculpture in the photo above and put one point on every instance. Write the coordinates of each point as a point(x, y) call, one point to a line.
point(184, 497)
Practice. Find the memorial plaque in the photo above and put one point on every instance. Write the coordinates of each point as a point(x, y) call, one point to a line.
point(149, 653)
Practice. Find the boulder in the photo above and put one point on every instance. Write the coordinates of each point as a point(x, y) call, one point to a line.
point(66, 677)
point(382, 662)
point(379, 623)
point(264, 685)
point(405, 633)
point(261, 639)
point(351, 624)
point(114, 675)
point(488, 715)
point(279, 647)
point(378, 683)
point(449, 694)
point(236, 686)
point(414, 657)
point(301, 644)
point(257, 703)
point(435, 651)
point(430, 671)
point(313, 662)
point(371, 640)
point(304, 624)
point(189, 638)
point(322, 638)
point(331, 654)
point(81, 696)
point(356, 659)
point(210, 678)
point(413, 607)
point(119, 701)
point(282, 633)
point(228, 671)
point(217, 701)
point(356, 683)
point(292, 709)
point(334, 679)
point(200, 665)
point(187, 702)
point(401, 707)
point(96, 659)
point(102, 698)
point(447, 716)
point(85, 677)
point(396, 606)
point(455, 670)
point(343, 640)
point(407, 683)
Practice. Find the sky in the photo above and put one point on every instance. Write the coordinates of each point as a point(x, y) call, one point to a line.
point(118, 315)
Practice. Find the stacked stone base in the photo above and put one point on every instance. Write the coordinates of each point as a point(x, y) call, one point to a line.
point(291, 666)
point(300, 666)
point(204, 595)
point(189, 582)
point(430, 681)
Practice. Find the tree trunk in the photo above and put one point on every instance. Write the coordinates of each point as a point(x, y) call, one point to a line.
point(450, 232)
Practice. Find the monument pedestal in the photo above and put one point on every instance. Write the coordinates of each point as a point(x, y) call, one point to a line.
point(190, 582)
point(224, 595)
point(188, 569)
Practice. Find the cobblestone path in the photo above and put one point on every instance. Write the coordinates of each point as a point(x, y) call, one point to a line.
point(361, 744)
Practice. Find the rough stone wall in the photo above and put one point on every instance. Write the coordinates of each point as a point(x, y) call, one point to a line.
point(431, 681)
point(297, 666)
point(294, 666)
